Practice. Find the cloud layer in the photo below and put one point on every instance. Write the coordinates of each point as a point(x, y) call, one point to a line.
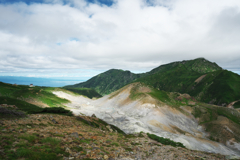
point(137, 35)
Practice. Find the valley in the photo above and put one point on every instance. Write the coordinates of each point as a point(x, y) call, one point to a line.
point(190, 108)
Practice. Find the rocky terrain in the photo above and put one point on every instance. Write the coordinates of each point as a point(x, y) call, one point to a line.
point(51, 136)
point(134, 109)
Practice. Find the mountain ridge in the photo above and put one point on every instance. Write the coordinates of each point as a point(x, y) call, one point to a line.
point(202, 79)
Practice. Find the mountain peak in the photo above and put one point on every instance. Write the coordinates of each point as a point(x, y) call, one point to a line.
point(202, 65)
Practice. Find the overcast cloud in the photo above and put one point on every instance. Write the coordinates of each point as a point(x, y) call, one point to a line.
point(79, 38)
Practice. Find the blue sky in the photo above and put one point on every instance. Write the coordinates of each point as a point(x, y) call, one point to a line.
point(29, 2)
point(79, 38)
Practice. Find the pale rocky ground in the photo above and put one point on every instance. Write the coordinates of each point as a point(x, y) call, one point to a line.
point(96, 143)
point(147, 116)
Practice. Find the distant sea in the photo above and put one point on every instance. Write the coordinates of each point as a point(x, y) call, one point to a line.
point(49, 82)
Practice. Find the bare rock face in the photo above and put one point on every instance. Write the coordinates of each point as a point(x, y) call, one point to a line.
point(230, 105)
point(94, 116)
point(147, 115)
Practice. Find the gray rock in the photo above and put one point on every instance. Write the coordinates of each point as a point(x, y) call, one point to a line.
point(75, 134)
point(94, 116)
point(233, 157)
point(67, 150)
point(54, 121)
point(4, 130)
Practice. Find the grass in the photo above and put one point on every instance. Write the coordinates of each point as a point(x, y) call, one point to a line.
point(208, 113)
point(51, 141)
point(36, 154)
point(115, 144)
point(22, 144)
point(29, 138)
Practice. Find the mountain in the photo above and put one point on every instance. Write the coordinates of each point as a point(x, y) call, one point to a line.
point(200, 78)
point(108, 81)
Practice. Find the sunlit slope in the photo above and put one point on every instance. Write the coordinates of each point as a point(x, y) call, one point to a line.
point(39, 96)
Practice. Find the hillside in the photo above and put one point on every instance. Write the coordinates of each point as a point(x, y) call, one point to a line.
point(137, 107)
point(108, 81)
point(52, 133)
point(57, 137)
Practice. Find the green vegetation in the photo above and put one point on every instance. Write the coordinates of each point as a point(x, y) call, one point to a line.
point(25, 149)
point(22, 96)
point(219, 87)
point(108, 81)
point(29, 138)
point(51, 141)
point(90, 93)
point(22, 105)
point(165, 141)
point(207, 113)
point(28, 108)
point(31, 94)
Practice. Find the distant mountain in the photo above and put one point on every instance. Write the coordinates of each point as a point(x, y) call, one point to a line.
point(108, 81)
point(200, 78)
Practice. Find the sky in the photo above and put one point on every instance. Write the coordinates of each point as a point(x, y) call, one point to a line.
point(82, 38)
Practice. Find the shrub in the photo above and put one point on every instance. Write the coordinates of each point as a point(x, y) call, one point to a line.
point(12, 112)
point(165, 141)
point(56, 110)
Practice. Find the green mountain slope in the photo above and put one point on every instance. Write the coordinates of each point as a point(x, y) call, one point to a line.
point(108, 81)
point(219, 87)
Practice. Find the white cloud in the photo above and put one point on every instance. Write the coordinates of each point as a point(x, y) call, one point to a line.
point(133, 35)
